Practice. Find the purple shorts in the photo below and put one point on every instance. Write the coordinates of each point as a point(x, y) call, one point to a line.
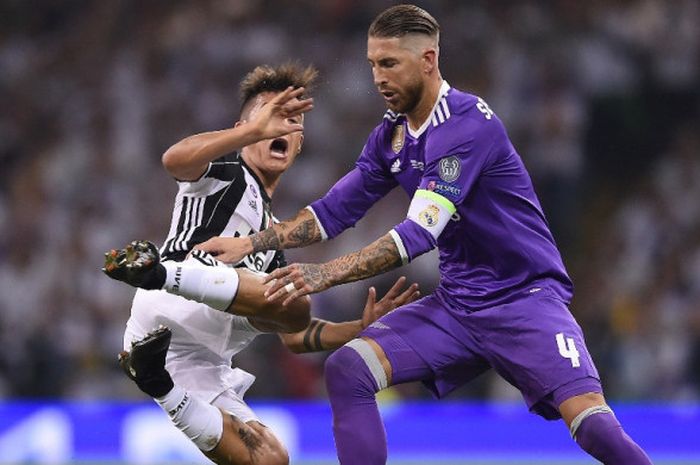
point(533, 342)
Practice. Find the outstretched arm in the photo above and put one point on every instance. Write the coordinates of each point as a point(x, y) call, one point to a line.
point(300, 231)
point(326, 335)
point(307, 278)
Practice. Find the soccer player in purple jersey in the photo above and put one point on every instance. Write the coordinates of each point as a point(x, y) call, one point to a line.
point(503, 297)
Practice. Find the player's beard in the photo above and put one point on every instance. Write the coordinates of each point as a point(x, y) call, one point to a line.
point(410, 98)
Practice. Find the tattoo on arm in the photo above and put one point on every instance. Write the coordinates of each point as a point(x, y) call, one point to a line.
point(380, 256)
point(265, 240)
point(307, 232)
point(314, 332)
point(300, 231)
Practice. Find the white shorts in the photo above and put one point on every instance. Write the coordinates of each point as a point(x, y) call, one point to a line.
point(230, 402)
point(203, 343)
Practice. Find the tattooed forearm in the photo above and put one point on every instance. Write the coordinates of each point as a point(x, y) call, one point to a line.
point(300, 231)
point(265, 240)
point(304, 234)
point(380, 256)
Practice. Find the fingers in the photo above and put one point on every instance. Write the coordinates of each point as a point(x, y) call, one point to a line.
point(371, 297)
point(212, 246)
point(409, 295)
point(369, 314)
point(279, 278)
point(296, 107)
point(273, 276)
point(287, 94)
point(396, 288)
point(295, 295)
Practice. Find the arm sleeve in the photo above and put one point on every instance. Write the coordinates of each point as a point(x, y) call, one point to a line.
point(350, 198)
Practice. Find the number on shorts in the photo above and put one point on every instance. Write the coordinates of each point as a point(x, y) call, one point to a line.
point(567, 349)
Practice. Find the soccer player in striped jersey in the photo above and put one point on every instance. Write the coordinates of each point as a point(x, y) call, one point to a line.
point(205, 311)
point(503, 297)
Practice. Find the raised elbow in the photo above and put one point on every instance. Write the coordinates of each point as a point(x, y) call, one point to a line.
point(171, 161)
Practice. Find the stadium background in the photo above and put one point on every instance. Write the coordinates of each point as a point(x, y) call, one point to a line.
point(601, 98)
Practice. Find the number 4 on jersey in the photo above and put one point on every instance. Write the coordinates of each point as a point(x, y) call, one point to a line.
point(567, 349)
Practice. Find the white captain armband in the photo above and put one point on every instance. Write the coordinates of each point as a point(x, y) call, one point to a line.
point(431, 211)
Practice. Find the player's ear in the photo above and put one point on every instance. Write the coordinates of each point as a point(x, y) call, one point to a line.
point(301, 142)
point(429, 60)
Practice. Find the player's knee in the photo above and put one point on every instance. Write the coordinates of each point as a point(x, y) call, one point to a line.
point(274, 453)
point(598, 432)
point(348, 374)
point(249, 443)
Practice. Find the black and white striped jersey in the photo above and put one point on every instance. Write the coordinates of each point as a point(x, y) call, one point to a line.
point(228, 200)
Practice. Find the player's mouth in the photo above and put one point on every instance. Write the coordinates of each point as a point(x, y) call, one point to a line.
point(390, 97)
point(278, 148)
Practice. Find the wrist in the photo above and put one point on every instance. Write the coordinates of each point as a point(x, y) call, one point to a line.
point(248, 243)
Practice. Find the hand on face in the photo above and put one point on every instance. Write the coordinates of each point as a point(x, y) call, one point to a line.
point(280, 115)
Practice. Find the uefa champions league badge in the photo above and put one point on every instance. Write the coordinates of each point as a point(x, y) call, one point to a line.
point(397, 138)
point(449, 169)
point(429, 216)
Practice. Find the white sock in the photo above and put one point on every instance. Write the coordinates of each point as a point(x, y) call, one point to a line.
point(200, 421)
point(213, 286)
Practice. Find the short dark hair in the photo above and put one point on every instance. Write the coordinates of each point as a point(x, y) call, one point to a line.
point(267, 78)
point(400, 20)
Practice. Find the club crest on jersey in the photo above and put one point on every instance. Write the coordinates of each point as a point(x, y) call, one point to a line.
point(449, 168)
point(397, 138)
point(254, 191)
point(429, 216)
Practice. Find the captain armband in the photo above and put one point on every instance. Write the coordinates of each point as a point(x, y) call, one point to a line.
point(431, 211)
point(427, 217)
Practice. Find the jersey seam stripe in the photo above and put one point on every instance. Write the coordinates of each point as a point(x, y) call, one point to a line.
point(216, 205)
point(186, 201)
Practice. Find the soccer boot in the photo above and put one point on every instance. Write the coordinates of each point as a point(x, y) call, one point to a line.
point(145, 363)
point(138, 264)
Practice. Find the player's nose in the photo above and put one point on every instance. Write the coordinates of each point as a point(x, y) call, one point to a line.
point(379, 78)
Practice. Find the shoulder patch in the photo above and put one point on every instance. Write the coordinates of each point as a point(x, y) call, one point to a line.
point(449, 168)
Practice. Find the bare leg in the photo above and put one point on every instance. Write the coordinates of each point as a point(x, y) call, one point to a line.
point(247, 444)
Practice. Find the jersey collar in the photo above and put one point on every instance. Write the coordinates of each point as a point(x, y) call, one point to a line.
point(261, 188)
point(444, 87)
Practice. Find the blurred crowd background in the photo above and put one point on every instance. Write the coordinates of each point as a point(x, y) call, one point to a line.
point(600, 97)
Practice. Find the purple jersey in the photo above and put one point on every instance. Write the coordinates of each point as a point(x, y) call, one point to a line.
point(496, 242)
